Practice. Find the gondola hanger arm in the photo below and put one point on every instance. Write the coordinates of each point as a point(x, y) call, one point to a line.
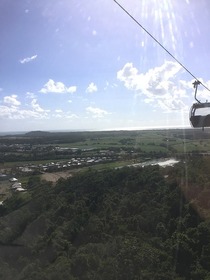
point(195, 84)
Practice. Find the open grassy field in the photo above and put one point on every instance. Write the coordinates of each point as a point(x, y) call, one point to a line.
point(4, 190)
point(147, 141)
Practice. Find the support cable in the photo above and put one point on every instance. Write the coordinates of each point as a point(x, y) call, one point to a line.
point(160, 44)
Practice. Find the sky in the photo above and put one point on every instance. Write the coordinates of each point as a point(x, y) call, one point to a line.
point(86, 65)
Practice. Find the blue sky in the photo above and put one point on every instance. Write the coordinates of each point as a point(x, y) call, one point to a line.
point(77, 64)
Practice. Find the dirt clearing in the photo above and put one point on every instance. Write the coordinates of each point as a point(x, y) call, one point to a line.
point(4, 190)
point(54, 177)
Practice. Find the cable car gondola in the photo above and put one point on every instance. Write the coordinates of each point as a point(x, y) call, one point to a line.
point(198, 120)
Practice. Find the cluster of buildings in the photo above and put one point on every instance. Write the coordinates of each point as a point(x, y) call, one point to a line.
point(64, 165)
point(16, 186)
point(8, 186)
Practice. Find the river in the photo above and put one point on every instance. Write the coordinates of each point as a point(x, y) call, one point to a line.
point(160, 162)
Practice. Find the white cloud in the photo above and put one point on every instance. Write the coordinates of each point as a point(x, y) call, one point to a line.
point(69, 101)
point(36, 107)
point(57, 87)
point(30, 95)
point(91, 88)
point(159, 86)
point(6, 112)
point(28, 59)
point(71, 116)
point(96, 112)
point(15, 113)
point(58, 114)
point(12, 100)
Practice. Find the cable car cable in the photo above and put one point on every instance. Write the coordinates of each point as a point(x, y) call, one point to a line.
point(160, 44)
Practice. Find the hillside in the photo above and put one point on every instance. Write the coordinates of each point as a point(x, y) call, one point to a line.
point(38, 133)
point(129, 223)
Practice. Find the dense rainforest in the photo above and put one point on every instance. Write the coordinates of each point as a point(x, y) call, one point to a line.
point(128, 223)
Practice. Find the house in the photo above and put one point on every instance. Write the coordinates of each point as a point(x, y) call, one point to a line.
point(13, 180)
point(16, 185)
point(20, 189)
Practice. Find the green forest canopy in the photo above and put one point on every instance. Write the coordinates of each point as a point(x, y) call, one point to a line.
point(128, 223)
